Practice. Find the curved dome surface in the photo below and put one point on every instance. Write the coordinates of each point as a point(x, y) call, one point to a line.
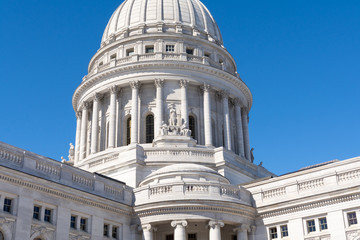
point(184, 167)
point(185, 13)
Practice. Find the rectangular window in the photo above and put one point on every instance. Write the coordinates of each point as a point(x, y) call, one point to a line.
point(170, 48)
point(190, 51)
point(106, 230)
point(206, 54)
point(323, 224)
point(170, 237)
point(7, 205)
point(311, 226)
point(130, 52)
point(83, 224)
point(115, 232)
point(73, 222)
point(192, 236)
point(149, 49)
point(284, 231)
point(273, 233)
point(352, 220)
point(36, 213)
point(47, 215)
point(113, 56)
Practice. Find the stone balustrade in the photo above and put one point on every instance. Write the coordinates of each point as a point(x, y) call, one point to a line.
point(64, 174)
point(162, 56)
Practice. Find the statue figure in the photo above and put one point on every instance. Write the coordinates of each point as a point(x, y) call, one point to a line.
point(252, 155)
point(260, 164)
point(173, 116)
point(185, 130)
point(164, 128)
point(71, 152)
point(63, 160)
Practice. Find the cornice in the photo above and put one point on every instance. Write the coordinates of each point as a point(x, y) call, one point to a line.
point(191, 206)
point(62, 194)
point(308, 206)
point(123, 69)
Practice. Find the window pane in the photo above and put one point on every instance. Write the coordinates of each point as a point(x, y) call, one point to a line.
point(7, 205)
point(128, 131)
point(192, 236)
point(284, 231)
point(273, 233)
point(83, 224)
point(149, 128)
point(106, 230)
point(311, 226)
point(170, 48)
point(73, 222)
point(36, 214)
point(192, 125)
point(190, 51)
point(149, 49)
point(352, 218)
point(323, 224)
point(47, 216)
point(115, 232)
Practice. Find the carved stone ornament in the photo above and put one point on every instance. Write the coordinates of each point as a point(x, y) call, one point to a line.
point(39, 230)
point(183, 223)
point(214, 224)
point(135, 84)
point(114, 89)
point(78, 236)
point(147, 227)
point(183, 83)
point(237, 102)
point(78, 114)
point(353, 235)
point(206, 87)
point(85, 105)
point(224, 93)
point(98, 97)
point(159, 83)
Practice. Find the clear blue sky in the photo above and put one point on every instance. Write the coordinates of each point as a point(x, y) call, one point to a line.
point(300, 58)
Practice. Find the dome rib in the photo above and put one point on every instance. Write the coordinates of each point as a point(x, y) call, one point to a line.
point(170, 13)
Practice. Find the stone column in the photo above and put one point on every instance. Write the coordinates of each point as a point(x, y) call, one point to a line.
point(215, 232)
point(242, 232)
point(159, 83)
point(147, 231)
point(179, 231)
point(244, 114)
point(112, 120)
point(252, 232)
point(77, 137)
point(184, 103)
point(135, 85)
point(207, 116)
point(227, 133)
point(83, 134)
point(239, 128)
point(95, 124)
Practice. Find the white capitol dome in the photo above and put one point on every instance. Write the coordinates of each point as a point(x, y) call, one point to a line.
point(175, 16)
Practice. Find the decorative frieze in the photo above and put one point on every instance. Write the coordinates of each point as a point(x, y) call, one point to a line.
point(160, 190)
point(353, 235)
point(11, 157)
point(40, 230)
point(81, 180)
point(274, 193)
point(311, 184)
point(348, 176)
point(48, 169)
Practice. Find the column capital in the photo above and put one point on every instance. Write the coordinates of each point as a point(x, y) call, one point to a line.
point(237, 102)
point(253, 228)
point(183, 83)
point(97, 97)
point(146, 227)
point(78, 114)
point(175, 223)
point(224, 93)
point(205, 87)
point(113, 89)
point(214, 223)
point(135, 84)
point(243, 228)
point(159, 83)
point(85, 105)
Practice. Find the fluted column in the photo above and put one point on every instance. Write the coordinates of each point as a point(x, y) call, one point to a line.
point(148, 231)
point(112, 120)
point(227, 133)
point(77, 136)
point(246, 133)
point(242, 232)
point(215, 230)
point(184, 103)
point(135, 85)
point(207, 116)
point(159, 83)
point(83, 134)
point(179, 231)
point(95, 124)
point(239, 128)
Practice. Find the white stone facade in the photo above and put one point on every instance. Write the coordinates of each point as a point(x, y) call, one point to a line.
point(162, 149)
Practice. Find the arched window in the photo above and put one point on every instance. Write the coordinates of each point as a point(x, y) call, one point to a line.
point(192, 126)
point(128, 131)
point(149, 128)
